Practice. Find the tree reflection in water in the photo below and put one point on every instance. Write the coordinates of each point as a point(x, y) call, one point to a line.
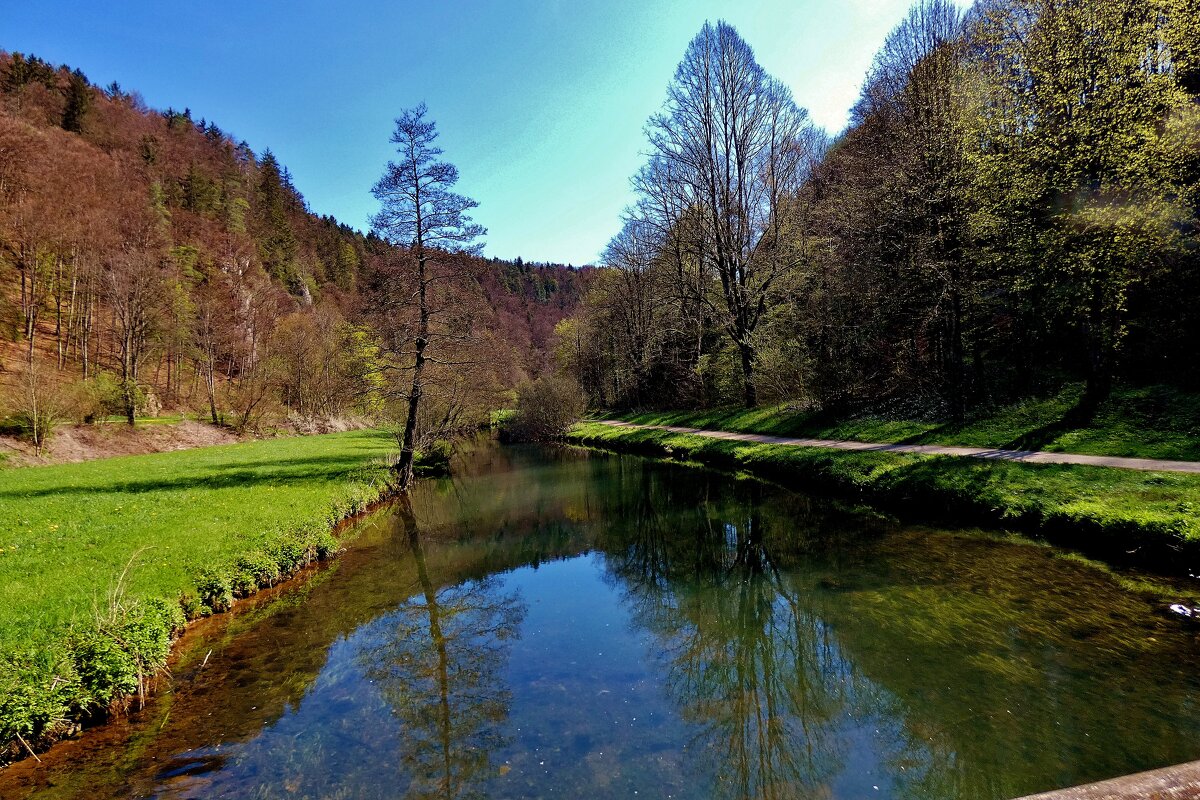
point(745, 657)
point(441, 672)
point(686, 634)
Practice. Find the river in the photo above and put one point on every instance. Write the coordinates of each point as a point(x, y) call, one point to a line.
point(554, 622)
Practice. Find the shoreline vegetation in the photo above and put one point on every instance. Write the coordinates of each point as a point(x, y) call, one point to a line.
point(1123, 517)
point(103, 563)
point(1157, 422)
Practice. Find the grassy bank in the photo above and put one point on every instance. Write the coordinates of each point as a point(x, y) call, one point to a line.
point(1119, 515)
point(101, 562)
point(1150, 422)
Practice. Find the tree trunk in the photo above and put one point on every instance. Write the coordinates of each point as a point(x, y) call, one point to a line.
point(408, 441)
point(958, 383)
point(210, 379)
point(749, 392)
point(1099, 380)
point(130, 400)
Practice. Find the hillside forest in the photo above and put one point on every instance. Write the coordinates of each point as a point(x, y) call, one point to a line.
point(1015, 205)
point(150, 260)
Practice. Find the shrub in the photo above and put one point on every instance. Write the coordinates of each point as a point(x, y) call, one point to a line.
point(115, 659)
point(35, 405)
point(434, 460)
point(215, 591)
point(253, 571)
point(546, 410)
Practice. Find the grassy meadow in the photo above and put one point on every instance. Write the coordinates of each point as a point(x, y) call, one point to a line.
point(101, 561)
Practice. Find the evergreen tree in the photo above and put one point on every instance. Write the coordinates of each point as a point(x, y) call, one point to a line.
point(79, 100)
point(277, 241)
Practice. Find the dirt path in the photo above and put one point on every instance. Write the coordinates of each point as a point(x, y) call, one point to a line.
point(72, 443)
point(1025, 456)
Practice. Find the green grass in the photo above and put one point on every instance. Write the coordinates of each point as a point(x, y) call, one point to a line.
point(99, 560)
point(1109, 512)
point(1152, 422)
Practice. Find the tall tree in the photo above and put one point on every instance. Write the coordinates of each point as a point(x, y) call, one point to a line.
point(899, 212)
point(78, 101)
point(277, 241)
point(421, 213)
point(739, 145)
point(1085, 128)
point(137, 293)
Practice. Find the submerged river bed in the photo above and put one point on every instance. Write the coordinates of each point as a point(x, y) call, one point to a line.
point(562, 623)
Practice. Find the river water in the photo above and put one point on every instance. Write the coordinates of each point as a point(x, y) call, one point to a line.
point(563, 623)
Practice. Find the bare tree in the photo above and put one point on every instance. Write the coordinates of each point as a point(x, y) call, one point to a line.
point(36, 401)
point(135, 283)
point(211, 337)
point(731, 136)
point(420, 212)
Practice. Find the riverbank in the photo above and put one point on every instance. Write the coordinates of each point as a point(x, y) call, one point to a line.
point(1147, 422)
point(1147, 519)
point(102, 562)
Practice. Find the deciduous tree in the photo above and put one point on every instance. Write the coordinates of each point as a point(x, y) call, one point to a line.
point(740, 147)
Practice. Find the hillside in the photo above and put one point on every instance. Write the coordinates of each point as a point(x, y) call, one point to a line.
point(151, 256)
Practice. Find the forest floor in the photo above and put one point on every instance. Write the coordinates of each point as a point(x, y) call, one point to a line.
point(73, 443)
point(101, 561)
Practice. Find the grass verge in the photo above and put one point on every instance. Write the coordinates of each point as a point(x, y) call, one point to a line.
point(1145, 518)
point(102, 562)
point(1148, 422)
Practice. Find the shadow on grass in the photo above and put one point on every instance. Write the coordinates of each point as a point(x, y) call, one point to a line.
point(1079, 416)
point(294, 470)
point(932, 435)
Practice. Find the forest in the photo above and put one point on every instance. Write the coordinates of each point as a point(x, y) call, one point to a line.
point(150, 260)
point(1013, 207)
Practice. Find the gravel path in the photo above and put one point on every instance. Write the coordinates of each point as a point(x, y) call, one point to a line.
point(1025, 456)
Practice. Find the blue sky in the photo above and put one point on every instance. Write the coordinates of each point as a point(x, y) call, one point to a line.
point(540, 103)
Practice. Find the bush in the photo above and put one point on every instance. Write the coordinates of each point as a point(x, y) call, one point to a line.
point(116, 659)
point(433, 461)
point(101, 396)
point(546, 410)
point(35, 405)
point(254, 571)
point(215, 591)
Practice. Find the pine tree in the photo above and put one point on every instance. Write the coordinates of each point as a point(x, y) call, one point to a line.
point(79, 100)
point(420, 212)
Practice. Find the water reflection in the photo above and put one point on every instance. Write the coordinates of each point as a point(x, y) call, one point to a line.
point(743, 655)
point(558, 622)
point(440, 668)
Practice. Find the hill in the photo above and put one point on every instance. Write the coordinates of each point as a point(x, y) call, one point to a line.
point(151, 259)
